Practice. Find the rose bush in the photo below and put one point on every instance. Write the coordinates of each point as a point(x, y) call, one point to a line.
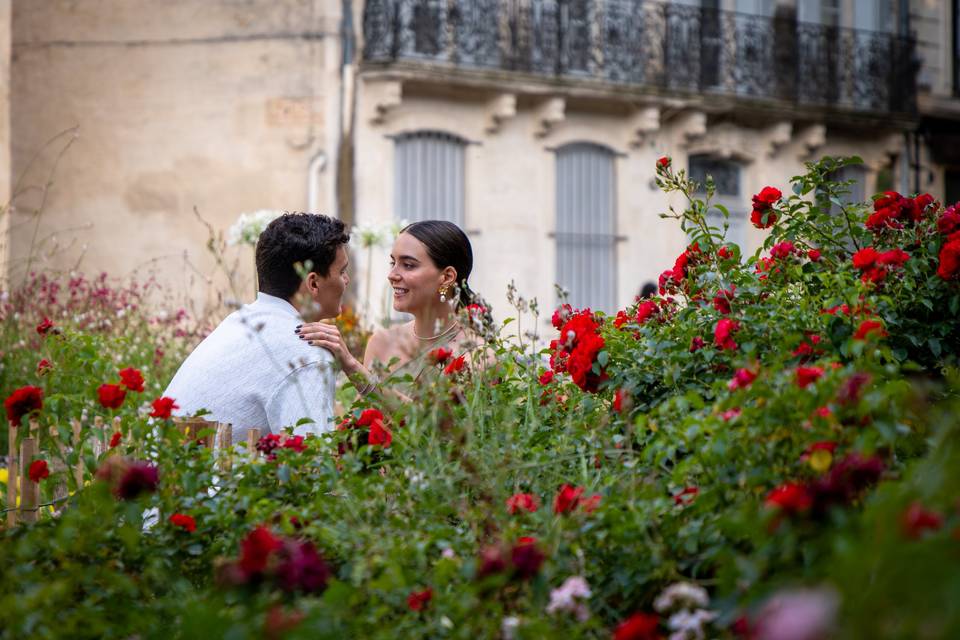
point(769, 442)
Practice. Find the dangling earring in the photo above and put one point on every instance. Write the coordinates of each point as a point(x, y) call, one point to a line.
point(443, 294)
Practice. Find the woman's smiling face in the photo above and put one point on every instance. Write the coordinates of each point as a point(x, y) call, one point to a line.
point(416, 281)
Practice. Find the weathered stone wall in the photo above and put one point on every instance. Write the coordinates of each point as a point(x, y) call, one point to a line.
point(213, 104)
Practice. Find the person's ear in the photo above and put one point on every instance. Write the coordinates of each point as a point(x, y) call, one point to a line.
point(312, 282)
point(448, 277)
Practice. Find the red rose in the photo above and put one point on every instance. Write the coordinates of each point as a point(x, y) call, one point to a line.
point(814, 255)
point(721, 301)
point(456, 366)
point(895, 257)
point(111, 395)
point(590, 504)
point(949, 220)
point(917, 519)
point(561, 315)
point(867, 327)
point(949, 267)
point(618, 398)
point(491, 562)
point(267, 444)
point(38, 470)
point(805, 376)
point(295, 443)
point(43, 367)
point(439, 355)
point(419, 600)
point(851, 389)
point(546, 377)
point(185, 522)
point(115, 439)
point(368, 417)
point(724, 253)
point(663, 163)
point(163, 407)
point(21, 402)
point(790, 498)
point(696, 344)
point(686, 496)
point(526, 558)
point(567, 499)
point(639, 626)
point(646, 310)
point(522, 502)
point(255, 550)
point(742, 379)
point(132, 379)
point(723, 334)
point(865, 258)
point(379, 435)
point(783, 250)
point(763, 215)
point(300, 567)
point(44, 327)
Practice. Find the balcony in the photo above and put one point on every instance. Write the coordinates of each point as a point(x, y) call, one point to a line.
point(638, 47)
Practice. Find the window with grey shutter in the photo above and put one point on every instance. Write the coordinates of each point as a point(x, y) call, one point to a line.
point(586, 225)
point(726, 177)
point(429, 177)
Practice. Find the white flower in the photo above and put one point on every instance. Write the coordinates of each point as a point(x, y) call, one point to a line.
point(565, 598)
point(689, 626)
point(803, 614)
point(249, 226)
point(685, 593)
point(508, 627)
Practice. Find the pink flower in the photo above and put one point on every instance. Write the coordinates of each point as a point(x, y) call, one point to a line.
point(742, 379)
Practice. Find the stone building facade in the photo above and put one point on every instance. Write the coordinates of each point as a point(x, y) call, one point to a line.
point(535, 124)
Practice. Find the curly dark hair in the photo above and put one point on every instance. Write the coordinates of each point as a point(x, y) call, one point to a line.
point(292, 238)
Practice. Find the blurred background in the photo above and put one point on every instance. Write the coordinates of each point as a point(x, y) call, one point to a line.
point(134, 133)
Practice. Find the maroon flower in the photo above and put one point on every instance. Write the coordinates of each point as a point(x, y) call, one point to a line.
point(696, 344)
point(846, 481)
point(266, 444)
point(132, 379)
point(300, 567)
point(851, 389)
point(526, 558)
point(255, 550)
point(419, 600)
point(38, 470)
point(111, 396)
point(139, 478)
point(21, 402)
point(45, 326)
point(492, 562)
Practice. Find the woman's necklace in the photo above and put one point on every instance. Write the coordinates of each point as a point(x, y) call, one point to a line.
point(455, 324)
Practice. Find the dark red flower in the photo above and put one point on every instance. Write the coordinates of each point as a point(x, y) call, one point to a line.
point(439, 355)
point(724, 253)
point(917, 519)
point(686, 496)
point(295, 443)
point(268, 443)
point(867, 327)
point(790, 498)
point(646, 310)
point(723, 333)
point(849, 392)
point(814, 255)
point(546, 377)
point(21, 402)
point(522, 502)
point(132, 379)
point(639, 626)
point(663, 162)
point(163, 407)
point(721, 301)
point(138, 478)
point(379, 435)
point(805, 376)
point(894, 257)
point(185, 522)
point(455, 366)
point(38, 470)
point(419, 600)
point(949, 267)
point(823, 445)
point(567, 499)
point(846, 481)
point(300, 567)
point(255, 550)
point(526, 558)
point(491, 562)
point(43, 367)
point(44, 327)
point(115, 439)
point(949, 220)
point(783, 250)
point(111, 396)
point(560, 315)
point(696, 344)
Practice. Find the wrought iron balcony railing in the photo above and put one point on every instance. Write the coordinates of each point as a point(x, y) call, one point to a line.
point(643, 43)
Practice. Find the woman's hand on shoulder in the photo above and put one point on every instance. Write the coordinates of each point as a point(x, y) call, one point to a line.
point(327, 336)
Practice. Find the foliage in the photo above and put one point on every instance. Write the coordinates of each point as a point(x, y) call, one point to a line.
point(742, 433)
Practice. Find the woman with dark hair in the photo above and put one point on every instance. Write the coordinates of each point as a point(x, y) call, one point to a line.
point(429, 266)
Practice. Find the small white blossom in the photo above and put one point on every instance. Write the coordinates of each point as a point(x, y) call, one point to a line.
point(508, 627)
point(681, 593)
point(687, 625)
point(569, 596)
point(249, 226)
